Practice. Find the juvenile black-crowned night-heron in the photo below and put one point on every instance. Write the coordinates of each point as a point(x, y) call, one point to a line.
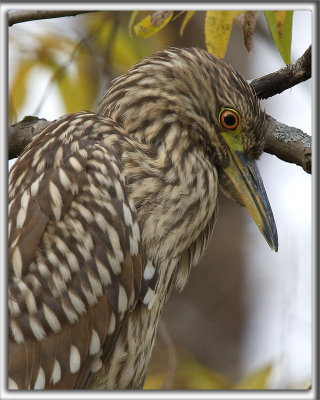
point(109, 212)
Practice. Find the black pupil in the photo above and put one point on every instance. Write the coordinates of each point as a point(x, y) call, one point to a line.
point(229, 119)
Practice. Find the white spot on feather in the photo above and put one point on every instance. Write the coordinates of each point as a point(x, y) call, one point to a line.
point(51, 318)
point(103, 272)
point(58, 156)
point(41, 380)
point(72, 261)
point(95, 284)
point(101, 221)
point(56, 373)
point(16, 332)
point(112, 324)
point(21, 217)
point(17, 262)
point(40, 166)
point(30, 302)
point(70, 313)
point(149, 271)
point(149, 298)
point(36, 328)
point(75, 164)
point(119, 190)
point(35, 185)
point(136, 230)
point(14, 308)
point(12, 384)
point(127, 215)
point(77, 303)
point(122, 299)
point(91, 298)
point(115, 243)
point(74, 359)
point(65, 181)
point(94, 343)
point(133, 246)
point(114, 264)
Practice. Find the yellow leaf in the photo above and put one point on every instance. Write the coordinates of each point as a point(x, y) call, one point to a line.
point(153, 23)
point(185, 21)
point(217, 28)
point(79, 85)
point(255, 381)
point(18, 93)
point(131, 22)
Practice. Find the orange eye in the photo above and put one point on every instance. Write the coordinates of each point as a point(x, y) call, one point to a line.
point(229, 119)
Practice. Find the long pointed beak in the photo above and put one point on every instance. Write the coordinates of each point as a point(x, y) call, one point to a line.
point(245, 177)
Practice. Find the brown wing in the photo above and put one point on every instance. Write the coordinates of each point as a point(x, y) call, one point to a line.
point(75, 259)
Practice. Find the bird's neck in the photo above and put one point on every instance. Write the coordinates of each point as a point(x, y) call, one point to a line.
point(174, 188)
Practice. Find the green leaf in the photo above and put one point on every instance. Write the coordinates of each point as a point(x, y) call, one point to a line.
point(280, 25)
point(217, 29)
point(255, 381)
point(153, 23)
point(187, 18)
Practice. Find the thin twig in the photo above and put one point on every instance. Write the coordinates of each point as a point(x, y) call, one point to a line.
point(276, 82)
point(17, 17)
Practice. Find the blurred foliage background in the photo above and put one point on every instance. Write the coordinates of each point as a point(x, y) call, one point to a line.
point(201, 337)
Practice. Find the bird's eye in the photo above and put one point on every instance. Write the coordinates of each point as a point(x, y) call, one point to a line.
point(229, 119)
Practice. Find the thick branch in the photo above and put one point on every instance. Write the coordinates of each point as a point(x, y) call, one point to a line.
point(22, 133)
point(276, 82)
point(287, 143)
point(16, 17)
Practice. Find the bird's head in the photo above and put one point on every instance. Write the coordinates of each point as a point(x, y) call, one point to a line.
point(196, 101)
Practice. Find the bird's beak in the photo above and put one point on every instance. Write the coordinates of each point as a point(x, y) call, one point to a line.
point(245, 177)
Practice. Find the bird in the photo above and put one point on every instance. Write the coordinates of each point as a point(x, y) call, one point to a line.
point(109, 211)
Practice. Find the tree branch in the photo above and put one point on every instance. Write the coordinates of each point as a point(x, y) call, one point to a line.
point(287, 143)
point(17, 17)
point(276, 82)
point(22, 133)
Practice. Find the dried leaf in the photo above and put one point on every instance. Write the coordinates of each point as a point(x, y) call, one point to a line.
point(153, 23)
point(280, 25)
point(247, 22)
point(256, 381)
point(186, 19)
point(217, 28)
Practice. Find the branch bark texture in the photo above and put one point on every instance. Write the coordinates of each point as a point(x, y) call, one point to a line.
point(289, 144)
point(17, 17)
